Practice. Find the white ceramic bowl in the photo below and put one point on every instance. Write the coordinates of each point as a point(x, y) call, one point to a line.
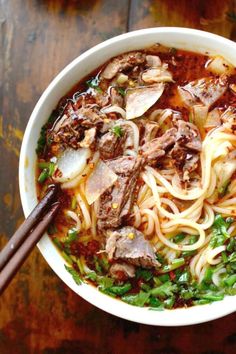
point(183, 38)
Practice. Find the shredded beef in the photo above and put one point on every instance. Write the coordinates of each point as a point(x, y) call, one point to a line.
point(111, 146)
point(71, 130)
point(116, 203)
point(129, 244)
point(156, 148)
point(185, 153)
point(122, 62)
point(122, 270)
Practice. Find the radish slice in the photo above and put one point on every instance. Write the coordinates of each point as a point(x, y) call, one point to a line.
point(99, 181)
point(219, 66)
point(140, 99)
point(70, 164)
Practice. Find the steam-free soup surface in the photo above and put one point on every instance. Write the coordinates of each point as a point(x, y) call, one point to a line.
point(144, 152)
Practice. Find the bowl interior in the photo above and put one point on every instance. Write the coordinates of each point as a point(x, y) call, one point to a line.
point(181, 38)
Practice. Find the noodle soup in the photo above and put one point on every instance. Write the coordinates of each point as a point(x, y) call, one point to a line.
point(144, 152)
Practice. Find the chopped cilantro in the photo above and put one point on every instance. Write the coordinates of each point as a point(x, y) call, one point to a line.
point(91, 275)
point(165, 290)
point(94, 83)
point(145, 274)
point(120, 289)
point(139, 299)
point(219, 231)
point(118, 131)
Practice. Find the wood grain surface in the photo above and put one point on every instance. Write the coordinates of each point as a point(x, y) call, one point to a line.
point(38, 313)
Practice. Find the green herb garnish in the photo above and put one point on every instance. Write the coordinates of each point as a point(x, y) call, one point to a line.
point(43, 175)
point(223, 190)
point(145, 274)
point(120, 289)
point(94, 83)
point(178, 238)
point(219, 231)
point(118, 131)
point(138, 299)
point(121, 91)
point(176, 263)
point(48, 169)
point(75, 275)
point(165, 290)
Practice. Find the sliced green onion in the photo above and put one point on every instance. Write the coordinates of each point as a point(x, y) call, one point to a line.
point(212, 297)
point(176, 263)
point(224, 257)
point(80, 266)
point(188, 253)
point(97, 265)
point(229, 281)
point(43, 175)
point(178, 238)
point(57, 242)
point(231, 245)
point(208, 275)
point(51, 168)
point(43, 165)
point(73, 202)
point(66, 257)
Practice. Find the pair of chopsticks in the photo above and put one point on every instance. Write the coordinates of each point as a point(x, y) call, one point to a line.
point(26, 237)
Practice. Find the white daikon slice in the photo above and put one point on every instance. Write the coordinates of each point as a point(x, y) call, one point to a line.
point(99, 181)
point(140, 99)
point(70, 164)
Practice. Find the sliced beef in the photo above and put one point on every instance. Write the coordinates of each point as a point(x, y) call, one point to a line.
point(184, 160)
point(185, 153)
point(122, 62)
point(150, 130)
point(90, 117)
point(206, 91)
point(229, 117)
point(122, 270)
point(71, 129)
point(129, 244)
point(153, 61)
point(116, 203)
point(116, 98)
point(111, 146)
point(156, 148)
point(102, 98)
point(188, 135)
point(89, 138)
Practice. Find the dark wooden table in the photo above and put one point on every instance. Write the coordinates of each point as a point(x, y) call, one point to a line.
point(38, 313)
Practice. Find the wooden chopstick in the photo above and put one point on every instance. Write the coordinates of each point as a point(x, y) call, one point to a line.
point(13, 260)
point(20, 235)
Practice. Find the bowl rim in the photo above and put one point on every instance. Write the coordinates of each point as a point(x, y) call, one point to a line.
point(177, 317)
